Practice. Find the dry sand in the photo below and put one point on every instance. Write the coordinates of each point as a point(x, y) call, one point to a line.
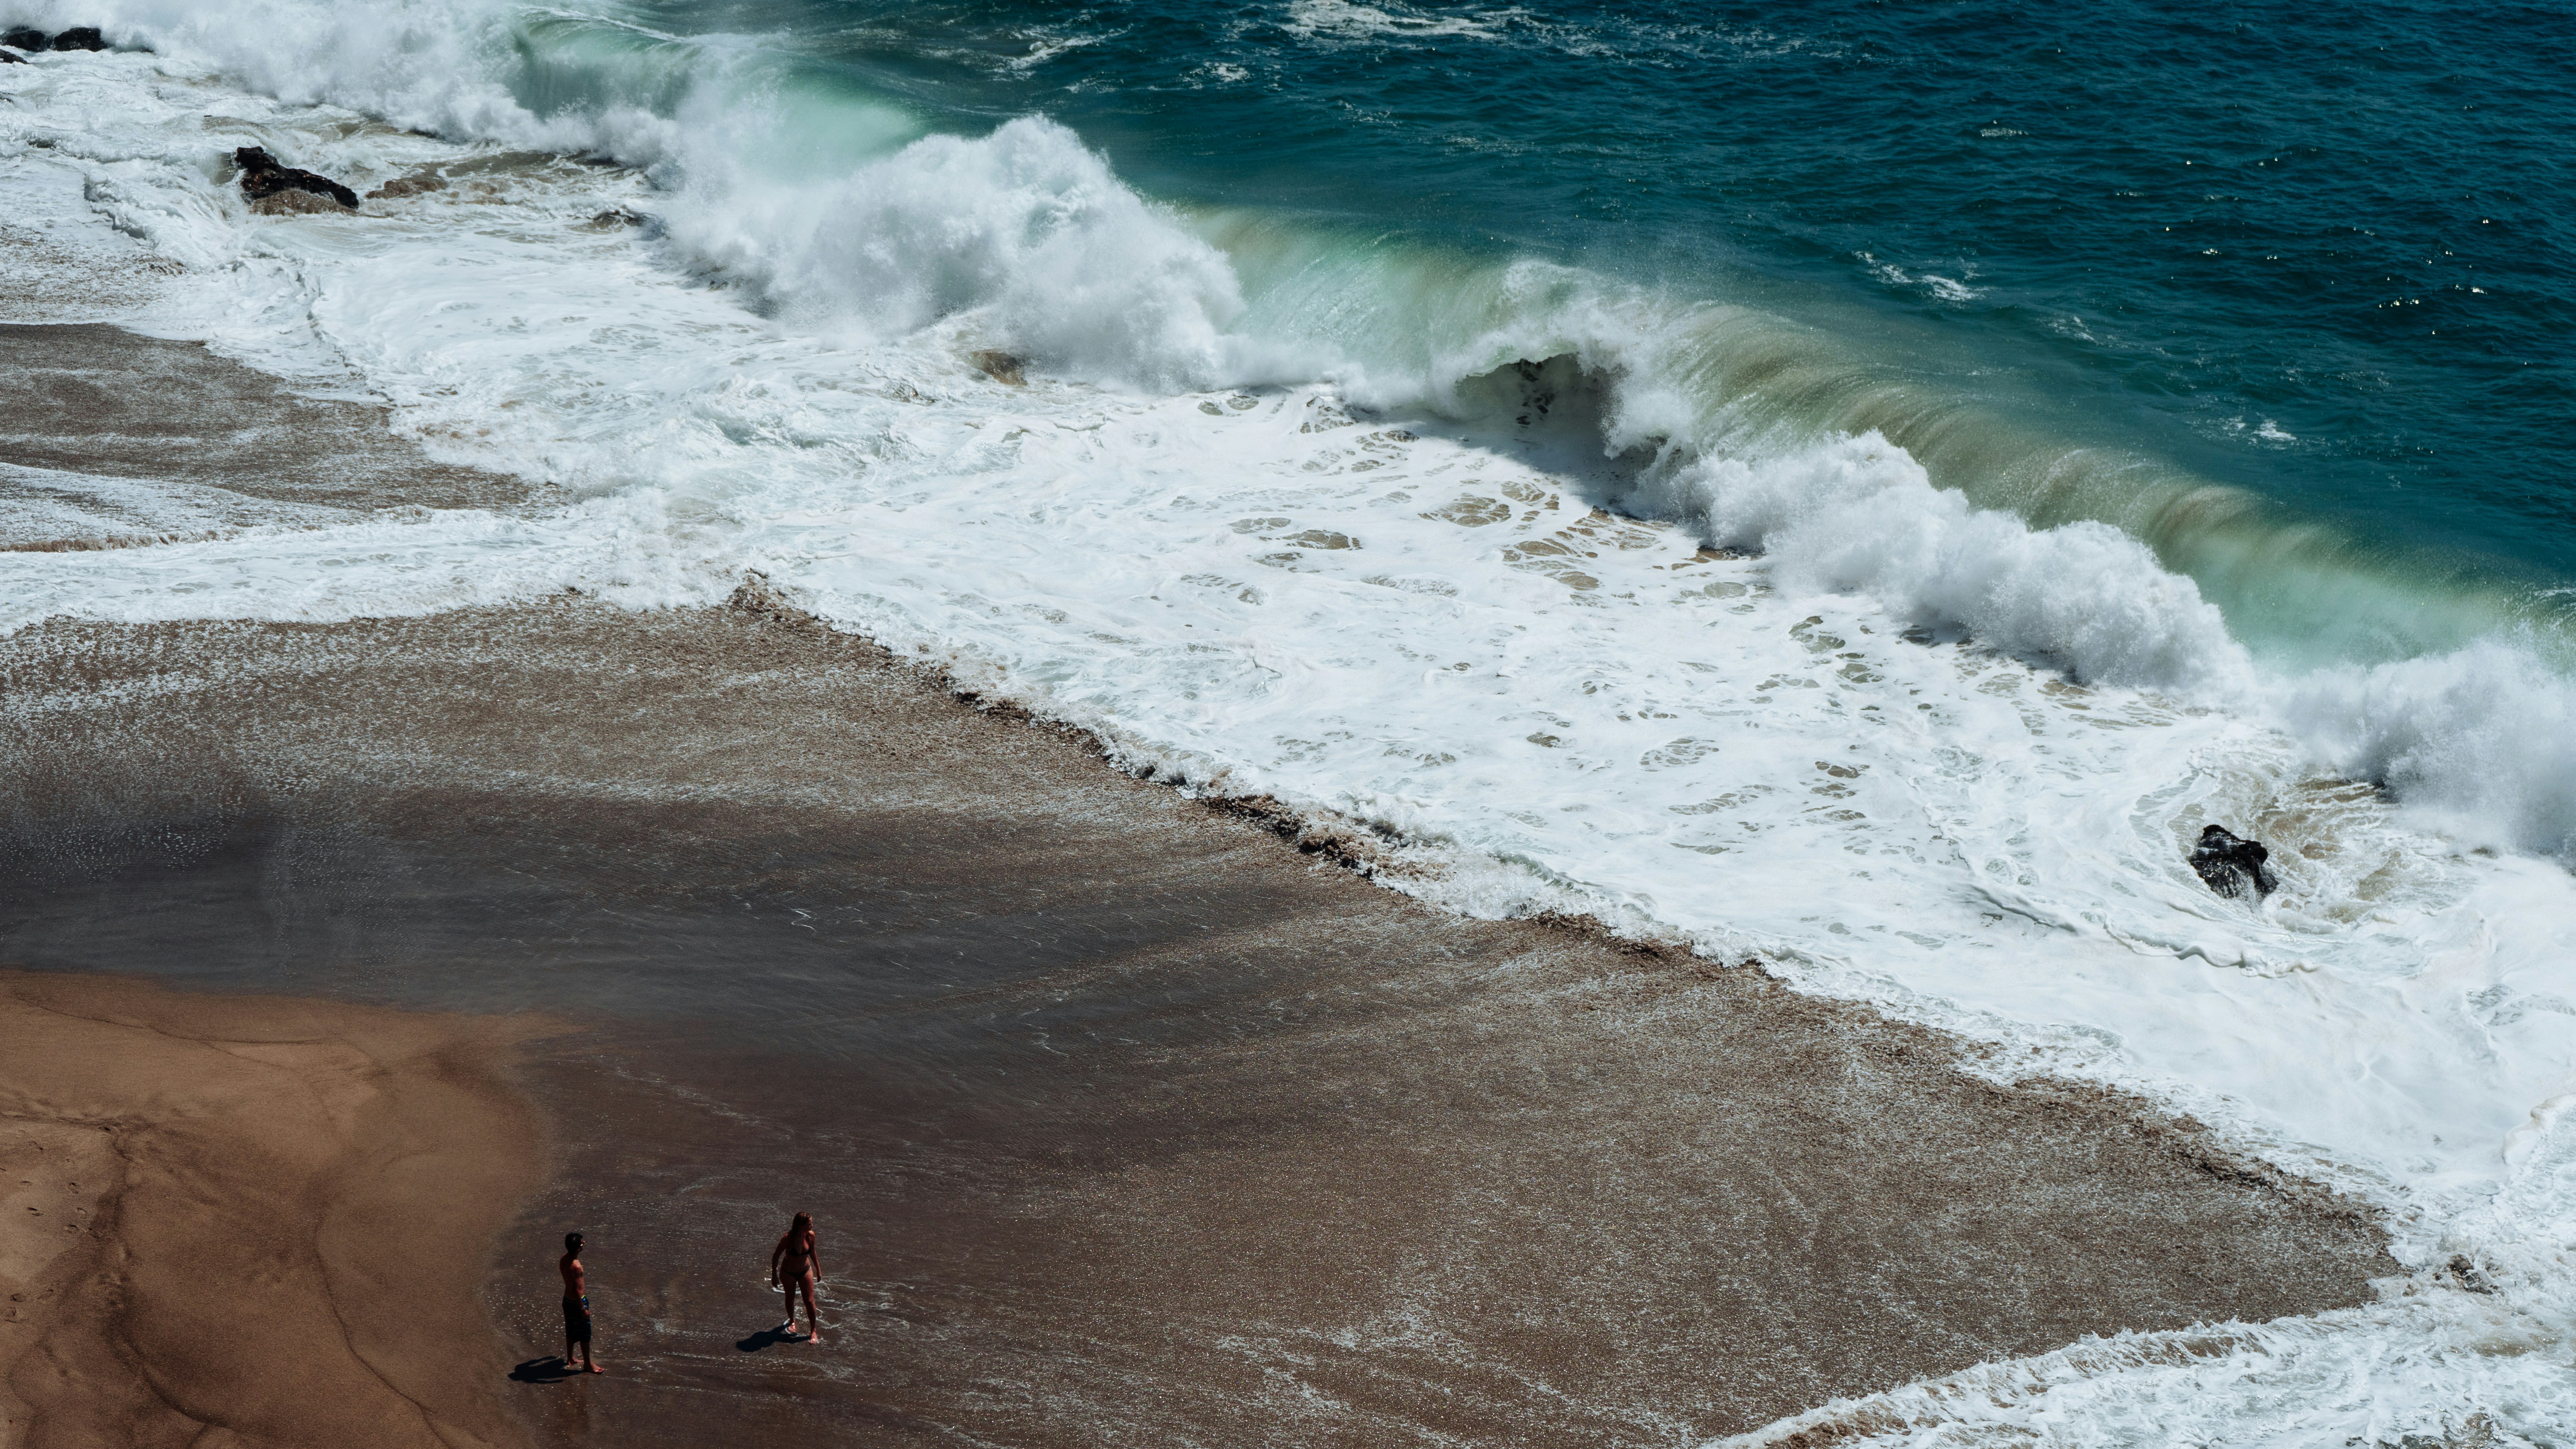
point(246, 1221)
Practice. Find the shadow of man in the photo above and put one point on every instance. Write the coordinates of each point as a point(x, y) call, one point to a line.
point(552, 1369)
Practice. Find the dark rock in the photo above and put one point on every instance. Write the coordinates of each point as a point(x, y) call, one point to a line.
point(24, 39)
point(262, 179)
point(11, 57)
point(616, 218)
point(1001, 367)
point(84, 37)
point(2233, 865)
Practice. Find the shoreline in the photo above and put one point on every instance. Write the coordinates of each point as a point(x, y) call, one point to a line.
point(273, 1217)
point(1840, 1055)
point(1127, 1113)
point(1124, 1114)
point(1357, 848)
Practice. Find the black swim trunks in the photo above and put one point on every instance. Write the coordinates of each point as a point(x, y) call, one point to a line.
point(577, 1319)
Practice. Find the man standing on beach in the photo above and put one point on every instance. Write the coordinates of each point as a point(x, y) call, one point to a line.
point(576, 1305)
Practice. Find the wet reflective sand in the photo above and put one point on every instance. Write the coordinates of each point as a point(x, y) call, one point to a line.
point(1121, 1118)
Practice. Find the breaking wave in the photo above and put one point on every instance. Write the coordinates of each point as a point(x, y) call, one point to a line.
point(842, 214)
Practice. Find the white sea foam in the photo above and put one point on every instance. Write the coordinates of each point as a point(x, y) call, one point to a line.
point(1021, 237)
point(1857, 515)
point(1917, 752)
point(1932, 284)
point(434, 66)
point(1344, 19)
point(2480, 743)
point(42, 507)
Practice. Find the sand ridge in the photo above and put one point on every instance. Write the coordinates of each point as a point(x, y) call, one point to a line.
point(250, 1221)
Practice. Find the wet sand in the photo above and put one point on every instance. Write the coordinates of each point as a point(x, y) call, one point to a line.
point(245, 1221)
point(113, 440)
point(1123, 1118)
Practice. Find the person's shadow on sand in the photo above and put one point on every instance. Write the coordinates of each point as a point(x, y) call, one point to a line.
point(765, 1338)
point(548, 1370)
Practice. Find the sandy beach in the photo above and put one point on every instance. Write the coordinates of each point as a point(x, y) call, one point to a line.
point(1123, 1115)
point(248, 1221)
point(1391, 725)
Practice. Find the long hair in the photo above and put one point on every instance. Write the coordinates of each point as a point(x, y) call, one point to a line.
point(804, 1224)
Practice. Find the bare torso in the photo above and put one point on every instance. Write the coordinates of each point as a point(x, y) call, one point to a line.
point(795, 1257)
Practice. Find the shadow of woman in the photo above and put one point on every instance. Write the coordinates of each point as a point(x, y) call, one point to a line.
point(765, 1337)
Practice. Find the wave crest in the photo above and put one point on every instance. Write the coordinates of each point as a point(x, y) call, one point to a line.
point(2482, 740)
point(1024, 237)
point(1858, 515)
point(1763, 435)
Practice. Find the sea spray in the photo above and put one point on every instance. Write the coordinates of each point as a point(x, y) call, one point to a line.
point(1859, 516)
point(2481, 742)
point(1022, 238)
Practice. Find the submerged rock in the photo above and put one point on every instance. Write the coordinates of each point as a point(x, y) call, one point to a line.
point(11, 57)
point(296, 203)
point(1001, 367)
point(2464, 1272)
point(416, 184)
point(2232, 865)
point(264, 181)
point(24, 39)
point(85, 37)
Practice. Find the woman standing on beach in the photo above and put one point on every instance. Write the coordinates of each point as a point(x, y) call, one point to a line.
point(792, 1265)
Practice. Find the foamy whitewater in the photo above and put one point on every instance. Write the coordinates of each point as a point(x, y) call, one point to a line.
point(1540, 573)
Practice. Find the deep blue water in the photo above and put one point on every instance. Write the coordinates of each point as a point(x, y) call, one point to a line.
point(2320, 252)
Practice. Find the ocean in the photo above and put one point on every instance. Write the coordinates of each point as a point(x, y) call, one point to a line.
point(1861, 487)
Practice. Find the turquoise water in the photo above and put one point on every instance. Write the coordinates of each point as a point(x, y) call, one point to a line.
point(2083, 261)
point(1344, 334)
point(2274, 297)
